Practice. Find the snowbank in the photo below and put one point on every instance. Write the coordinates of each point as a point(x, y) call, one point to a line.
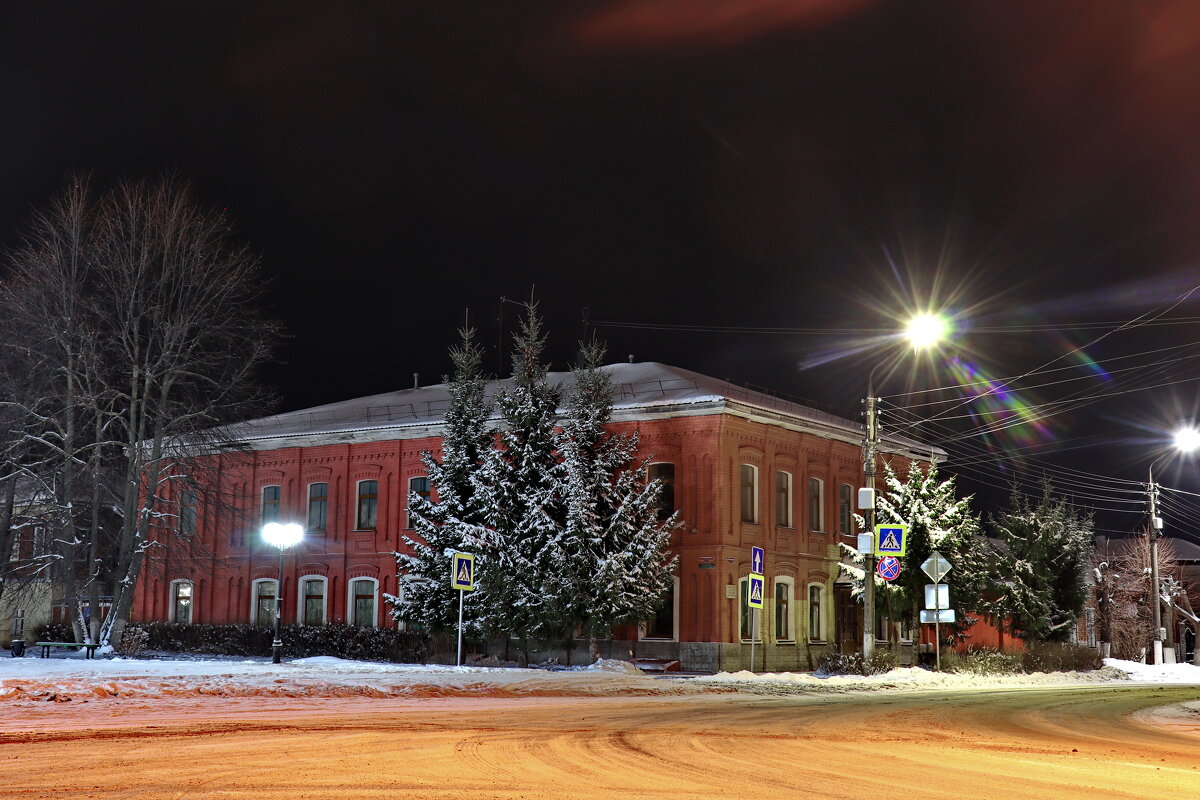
point(323, 676)
point(911, 678)
point(1156, 673)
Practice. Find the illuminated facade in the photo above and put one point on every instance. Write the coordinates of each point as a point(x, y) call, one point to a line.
point(744, 468)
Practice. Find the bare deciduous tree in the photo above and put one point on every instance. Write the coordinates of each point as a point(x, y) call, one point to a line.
point(140, 342)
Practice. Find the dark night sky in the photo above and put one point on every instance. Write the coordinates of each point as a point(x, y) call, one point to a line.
point(797, 164)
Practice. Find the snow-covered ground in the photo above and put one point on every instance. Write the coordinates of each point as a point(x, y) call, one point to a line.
point(77, 677)
point(74, 677)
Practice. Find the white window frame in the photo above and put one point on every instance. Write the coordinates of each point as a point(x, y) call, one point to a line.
point(171, 599)
point(789, 521)
point(818, 525)
point(754, 488)
point(790, 582)
point(820, 615)
point(350, 599)
point(254, 595)
point(300, 598)
point(674, 615)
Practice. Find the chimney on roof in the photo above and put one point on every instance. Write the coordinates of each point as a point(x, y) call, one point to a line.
point(631, 358)
point(416, 380)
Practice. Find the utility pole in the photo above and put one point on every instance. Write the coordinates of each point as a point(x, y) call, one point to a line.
point(869, 447)
point(1154, 532)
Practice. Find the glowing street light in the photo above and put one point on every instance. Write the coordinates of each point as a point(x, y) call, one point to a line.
point(1186, 440)
point(923, 331)
point(926, 330)
point(282, 535)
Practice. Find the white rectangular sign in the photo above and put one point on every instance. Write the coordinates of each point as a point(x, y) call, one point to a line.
point(945, 615)
point(943, 595)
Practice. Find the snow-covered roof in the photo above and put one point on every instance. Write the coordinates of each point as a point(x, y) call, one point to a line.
point(644, 390)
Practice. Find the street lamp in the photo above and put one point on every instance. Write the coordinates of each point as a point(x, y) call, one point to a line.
point(1186, 440)
point(922, 332)
point(282, 535)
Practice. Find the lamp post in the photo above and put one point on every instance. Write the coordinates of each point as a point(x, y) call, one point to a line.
point(922, 332)
point(282, 535)
point(1186, 441)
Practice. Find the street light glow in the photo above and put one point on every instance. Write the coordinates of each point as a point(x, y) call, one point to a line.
point(282, 534)
point(926, 330)
point(1187, 440)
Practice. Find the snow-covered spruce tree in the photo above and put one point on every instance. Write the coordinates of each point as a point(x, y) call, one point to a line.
point(612, 558)
point(1039, 576)
point(937, 519)
point(520, 486)
point(427, 599)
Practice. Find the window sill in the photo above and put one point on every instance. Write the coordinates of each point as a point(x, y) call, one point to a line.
point(751, 641)
point(817, 641)
point(786, 642)
point(364, 530)
point(658, 639)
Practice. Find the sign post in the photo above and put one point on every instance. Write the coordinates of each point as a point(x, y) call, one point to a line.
point(462, 578)
point(937, 568)
point(755, 590)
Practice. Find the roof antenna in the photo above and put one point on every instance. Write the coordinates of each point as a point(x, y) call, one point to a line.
point(631, 358)
point(416, 380)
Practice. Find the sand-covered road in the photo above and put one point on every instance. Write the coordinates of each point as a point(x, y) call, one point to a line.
point(1023, 743)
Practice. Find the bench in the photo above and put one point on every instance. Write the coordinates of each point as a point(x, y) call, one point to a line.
point(90, 648)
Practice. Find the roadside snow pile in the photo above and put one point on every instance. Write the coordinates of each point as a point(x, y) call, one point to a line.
point(899, 678)
point(1156, 673)
point(323, 676)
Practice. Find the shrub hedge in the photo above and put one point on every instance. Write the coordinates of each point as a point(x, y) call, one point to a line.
point(299, 641)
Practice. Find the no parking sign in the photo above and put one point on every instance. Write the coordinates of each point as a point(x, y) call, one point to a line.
point(888, 568)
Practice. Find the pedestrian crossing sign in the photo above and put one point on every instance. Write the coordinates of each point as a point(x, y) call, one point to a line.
point(891, 540)
point(462, 572)
point(754, 598)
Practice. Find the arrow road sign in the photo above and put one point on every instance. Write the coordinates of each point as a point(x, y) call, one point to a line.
point(936, 566)
point(757, 557)
point(891, 540)
point(888, 568)
point(755, 598)
point(462, 572)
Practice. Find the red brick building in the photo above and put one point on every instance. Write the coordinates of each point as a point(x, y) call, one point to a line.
point(745, 468)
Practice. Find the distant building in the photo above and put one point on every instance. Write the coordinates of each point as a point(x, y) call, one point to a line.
point(742, 467)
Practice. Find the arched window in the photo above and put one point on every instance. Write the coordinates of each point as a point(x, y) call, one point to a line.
point(845, 493)
point(664, 473)
point(313, 593)
point(749, 492)
point(665, 624)
point(420, 487)
point(187, 512)
point(270, 504)
point(783, 499)
point(816, 598)
point(368, 495)
point(785, 615)
point(262, 601)
point(182, 602)
point(318, 506)
point(816, 504)
point(363, 602)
